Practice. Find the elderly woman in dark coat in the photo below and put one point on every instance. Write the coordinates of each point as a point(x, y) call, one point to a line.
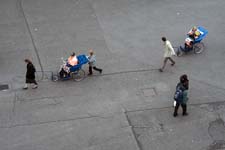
point(30, 75)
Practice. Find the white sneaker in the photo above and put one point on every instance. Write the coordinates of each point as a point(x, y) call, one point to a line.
point(35, 86)
point(25, 87)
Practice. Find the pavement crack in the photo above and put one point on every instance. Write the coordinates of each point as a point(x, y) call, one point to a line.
point(20, 5)
point(133, 132)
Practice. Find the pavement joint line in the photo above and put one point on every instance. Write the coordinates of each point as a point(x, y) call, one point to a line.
point(14, 104)
point(49, 122)
point(36, 99)
point(100, 26)
point(31, 36)
point(166, 107)
point(40, 98)
point(62, 120)
point(133, 132)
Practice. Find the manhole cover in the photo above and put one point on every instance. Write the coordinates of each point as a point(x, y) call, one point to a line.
point(4, 87)
point(149, 92)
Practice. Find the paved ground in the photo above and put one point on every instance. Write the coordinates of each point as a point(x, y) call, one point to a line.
point(129, 106)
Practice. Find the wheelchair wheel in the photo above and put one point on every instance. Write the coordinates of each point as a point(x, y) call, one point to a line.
point(78, 75)
point(198, 47)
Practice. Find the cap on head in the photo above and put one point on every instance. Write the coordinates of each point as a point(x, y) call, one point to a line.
point(194, 28)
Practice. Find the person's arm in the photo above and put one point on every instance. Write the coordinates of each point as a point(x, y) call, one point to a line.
point(170, 47)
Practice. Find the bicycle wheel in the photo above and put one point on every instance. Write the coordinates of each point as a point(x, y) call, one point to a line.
point(78, 75)
point(198, 48)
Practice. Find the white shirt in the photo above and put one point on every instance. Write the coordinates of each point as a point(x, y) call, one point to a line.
point(168, 49)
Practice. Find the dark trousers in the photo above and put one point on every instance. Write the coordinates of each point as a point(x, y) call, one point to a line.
point(63, 73)
point(31, 81)
point(165, 61)
point(184, 107)
point(95, 68)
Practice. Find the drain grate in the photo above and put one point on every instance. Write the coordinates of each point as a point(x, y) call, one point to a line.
point(4, 87)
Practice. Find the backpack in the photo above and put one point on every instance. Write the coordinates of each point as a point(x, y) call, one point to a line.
point(178, 95)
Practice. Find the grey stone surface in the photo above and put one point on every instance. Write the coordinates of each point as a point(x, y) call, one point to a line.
point(115, 110)
point(156, 128)
point(87, 133)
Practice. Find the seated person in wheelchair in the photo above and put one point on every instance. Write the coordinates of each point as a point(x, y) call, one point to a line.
point(188, 45)
point(194, 33)
point(72, 60)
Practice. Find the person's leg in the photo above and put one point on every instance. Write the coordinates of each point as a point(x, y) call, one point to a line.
point(176, 109)
point(26, 84)
point(173, 62)
point(35, 84)
point(164, 64)
point(34, 81)
point(184, 107)
point(98, 69)
point(61, 73)
point(90, 70)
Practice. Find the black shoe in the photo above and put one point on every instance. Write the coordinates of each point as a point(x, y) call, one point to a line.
point(100, 71)
point(172, 64)
point(174, 115)
point(185, 114)
point(89, 74)
point(160, 70)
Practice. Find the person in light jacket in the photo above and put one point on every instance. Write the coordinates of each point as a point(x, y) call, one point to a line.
point(168, 53)
point(92, 62)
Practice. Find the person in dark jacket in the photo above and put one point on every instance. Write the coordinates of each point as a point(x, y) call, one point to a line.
point(183, 85)
point(30, 75)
